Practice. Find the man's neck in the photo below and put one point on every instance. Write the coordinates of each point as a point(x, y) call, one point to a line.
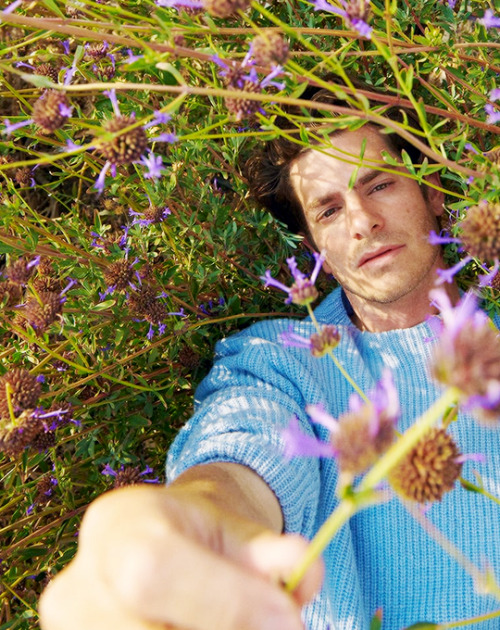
point(403, 313)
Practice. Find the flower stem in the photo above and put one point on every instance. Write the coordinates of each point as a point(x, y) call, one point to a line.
point(8, 391)
point(363, 495)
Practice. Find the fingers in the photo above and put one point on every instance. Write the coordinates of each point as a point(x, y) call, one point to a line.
point(198, 589)
point(277, 556)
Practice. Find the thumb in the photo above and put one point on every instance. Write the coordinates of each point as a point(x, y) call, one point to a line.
point(275, 557)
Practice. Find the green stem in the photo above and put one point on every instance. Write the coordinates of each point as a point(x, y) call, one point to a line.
point(468, 622)
point(364, 494)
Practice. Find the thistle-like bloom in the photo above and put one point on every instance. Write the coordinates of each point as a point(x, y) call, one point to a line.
point(358, 437)
point(355, 14)
point(302, 290)
point(119, 276)
point(153, 214)
point(429, 470)
point(318, 344)
point(467, 355)
point(19, 390)
point(481, 231)
point(128, 476)
point(269, 49)
point(21, 270)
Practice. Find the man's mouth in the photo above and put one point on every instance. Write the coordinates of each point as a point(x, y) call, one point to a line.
point(381, 253)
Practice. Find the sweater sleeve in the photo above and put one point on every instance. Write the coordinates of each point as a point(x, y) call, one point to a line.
point(241, 407)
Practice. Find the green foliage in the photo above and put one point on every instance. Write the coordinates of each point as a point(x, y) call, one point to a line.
point(129, 394)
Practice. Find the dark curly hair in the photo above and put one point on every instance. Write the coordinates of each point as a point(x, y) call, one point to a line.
point(268, 169)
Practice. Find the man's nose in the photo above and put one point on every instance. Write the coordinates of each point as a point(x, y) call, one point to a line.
point(363, 219)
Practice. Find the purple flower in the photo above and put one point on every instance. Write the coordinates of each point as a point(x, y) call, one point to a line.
point(171, 138)
point(489, 20)
point(447, 275)
point(132, 57)
point(154, 164)
point(9, 128)
point(495, 94)
point(487, 279)
point(111, 94)
point(101, 179)
point(12, 7)
point(64, 110)
point(353, 13)
point(358, 437)
point(303, 290)
point(493, 114)
point(467, 355)
point(159, 118)
point(441, 239)
point(318, 344)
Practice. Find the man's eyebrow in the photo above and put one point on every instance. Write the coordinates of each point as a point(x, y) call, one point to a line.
point(366, 178)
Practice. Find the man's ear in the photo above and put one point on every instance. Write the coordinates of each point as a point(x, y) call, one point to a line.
point(435, 198)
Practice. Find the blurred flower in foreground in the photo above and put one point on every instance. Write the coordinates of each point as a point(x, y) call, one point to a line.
point(493, 114)
point(481, 231)
point(269, 48)
point(217, 8)
point(429, 469)
point(302, 290)
point(355, 14)
point(358, 437)
point(467, 355)
point(319, 344)
point(489, 19)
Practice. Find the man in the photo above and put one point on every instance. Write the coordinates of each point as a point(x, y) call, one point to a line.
point(207, 552)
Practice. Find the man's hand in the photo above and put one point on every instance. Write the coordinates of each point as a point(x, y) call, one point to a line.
point(202, 554)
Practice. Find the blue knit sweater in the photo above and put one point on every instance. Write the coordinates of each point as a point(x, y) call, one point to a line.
point(382, 558)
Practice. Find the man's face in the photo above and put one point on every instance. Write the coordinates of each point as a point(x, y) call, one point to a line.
point(376, 233)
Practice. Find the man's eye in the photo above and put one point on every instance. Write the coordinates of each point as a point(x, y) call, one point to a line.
point(329, 212)
point(381, 186)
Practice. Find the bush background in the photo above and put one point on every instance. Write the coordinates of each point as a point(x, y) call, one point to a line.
point(129, 395)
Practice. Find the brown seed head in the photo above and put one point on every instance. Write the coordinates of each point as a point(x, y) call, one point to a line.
point(126, 147)
point(10, 292)
point(44, 440)
point(429, 470)
point(270, 48)
point(41, 314)
point(119, 275)
point(357, 10)
point(95, 51)
point(23, 176)
point(481, 231)
point(225, 8)
point(15, 438)
point(48, 70)
point(47, 111)
point(24, 389)
point(356, 444)
point(20, 271)
point(154, 214)
point(188, 357)
point(127, 476)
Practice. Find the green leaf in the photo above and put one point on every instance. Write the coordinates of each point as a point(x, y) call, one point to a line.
point(102, 306)
point(168, 67)
point(376, 622)
point(423, 625)
point(38, 80)
point(53, 7)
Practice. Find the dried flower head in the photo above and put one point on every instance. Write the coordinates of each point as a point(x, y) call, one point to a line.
point(48, 70)
point(467, 355)
point(244, 107)
point(429, 470)
point(189, 358)
point(43, 310)
point(51, 111)
point(126, 147)
point(21, 270)
point(145, 303)
point(15, 437)
point(10, 293)
point(481, 231)
point(119, 275)
point(269, 48)
point(128, 476)
point(225, 8)
point(96, 50)
point(20, 388)
point(23, 176)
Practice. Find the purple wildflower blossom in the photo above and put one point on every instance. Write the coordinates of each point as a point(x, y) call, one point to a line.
point(495, 94)
point(488, 277)
point(154, 164)
point(132, 57)
point(447, 275)
point(489, 20)
point(296, 443)
point(159, 118)
point(191, 4)
point(168, 137)
point(441, 238)
point(10, 127)
point(303, 290)
point(356, 22)
point(12, 7)
point(493, 114)
point(66, 46)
